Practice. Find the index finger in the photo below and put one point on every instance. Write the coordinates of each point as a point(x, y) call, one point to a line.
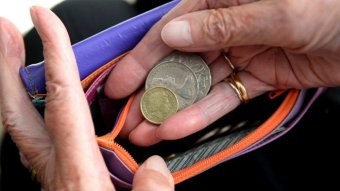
point(67, 116)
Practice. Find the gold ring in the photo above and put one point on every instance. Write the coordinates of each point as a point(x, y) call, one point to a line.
point(229, 63)
point(235, 83)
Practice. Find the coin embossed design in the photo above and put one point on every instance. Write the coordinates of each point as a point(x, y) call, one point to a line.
point(178, 78)
point(158, 103)
point(196, 64)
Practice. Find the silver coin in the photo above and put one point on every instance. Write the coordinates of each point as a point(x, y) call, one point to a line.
point(176, 77)
point(197, 65)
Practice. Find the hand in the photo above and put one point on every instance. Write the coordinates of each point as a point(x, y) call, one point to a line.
point(273, 44)
point(62, 147)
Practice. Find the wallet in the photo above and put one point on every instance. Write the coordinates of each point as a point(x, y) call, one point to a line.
point(247, 128)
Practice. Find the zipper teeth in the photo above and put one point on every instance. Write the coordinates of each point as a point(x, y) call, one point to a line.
point(198, 167)
point(126, 156)
point(107, 141)
point(122, 118)
point(188, 172)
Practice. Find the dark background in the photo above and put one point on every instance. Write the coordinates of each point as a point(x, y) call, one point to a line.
point(305, 158)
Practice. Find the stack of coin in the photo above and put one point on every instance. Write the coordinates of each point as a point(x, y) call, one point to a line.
point(175, 83)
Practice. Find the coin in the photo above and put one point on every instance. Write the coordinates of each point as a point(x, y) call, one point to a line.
point(158, 103)
point(178, 78)
point(196, 64)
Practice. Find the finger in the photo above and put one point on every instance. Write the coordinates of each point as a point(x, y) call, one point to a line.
point(153, 174)
point(144, 134)
point(248, 24)
point(140, 60)
point(19, 117)
point(219, 70)
point(221, 100)
point(67, 114)
point(134, 116)
point(139, 130)
point(132, 70)
point(65, 102)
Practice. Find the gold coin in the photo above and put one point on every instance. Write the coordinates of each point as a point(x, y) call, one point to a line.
point(158, 103)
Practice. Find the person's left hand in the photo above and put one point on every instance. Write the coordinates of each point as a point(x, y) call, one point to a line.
point(62, 147)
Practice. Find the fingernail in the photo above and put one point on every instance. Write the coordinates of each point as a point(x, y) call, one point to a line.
point(156, 163)
point(177, 34)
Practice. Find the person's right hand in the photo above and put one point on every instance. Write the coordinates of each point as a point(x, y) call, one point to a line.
point(273, 44)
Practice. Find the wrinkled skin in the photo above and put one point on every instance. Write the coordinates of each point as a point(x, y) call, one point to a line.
point(62, 148)
point(273, 44)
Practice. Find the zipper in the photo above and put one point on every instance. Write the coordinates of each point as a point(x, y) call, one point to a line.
point(125, 156)
point(85, 83)
point(209, 162)
point(108, 142)
point(261, 131)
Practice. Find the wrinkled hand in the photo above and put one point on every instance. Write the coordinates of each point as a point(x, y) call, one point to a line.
point(273, 44)
point(62, 148)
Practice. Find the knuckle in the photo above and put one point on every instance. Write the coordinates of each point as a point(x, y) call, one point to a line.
point(54, 88)
point(57, 93)
point(216, 25)
point(222, 26)
point(9, 119)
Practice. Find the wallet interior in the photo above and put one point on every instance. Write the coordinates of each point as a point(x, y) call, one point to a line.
point(182, 153)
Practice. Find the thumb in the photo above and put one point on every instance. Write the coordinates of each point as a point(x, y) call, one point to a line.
point(263, 22)
point(153, 175)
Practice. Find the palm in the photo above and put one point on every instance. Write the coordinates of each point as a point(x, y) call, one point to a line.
point(241, 31)
point(266, 68)
point(284, 69)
